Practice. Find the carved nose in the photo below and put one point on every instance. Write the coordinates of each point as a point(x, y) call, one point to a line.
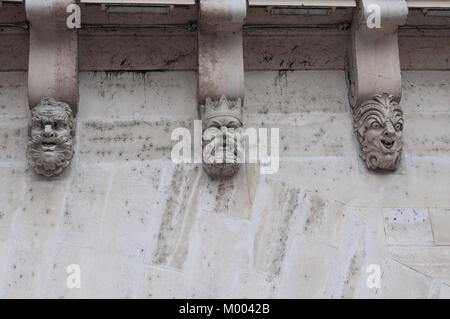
point(48, 131)
point(390, 131)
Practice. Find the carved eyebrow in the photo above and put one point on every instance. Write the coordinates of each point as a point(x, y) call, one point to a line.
point(372, 112)
point(369, 109)
point(40, 119)
point(53, 120)
point(398, 115)
point(399, 120)
point(61, 118)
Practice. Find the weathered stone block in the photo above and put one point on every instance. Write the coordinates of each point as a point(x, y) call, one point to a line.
point(439, 290)
point(305, 270)
point(217, 240)
point(275, 211)
point(131, 214)
point(362, 244)
point(440, 222)
point(321, 220)
point(11, 195)
point(407, 226)
point(27, 272)
point(295, 92)
point(425, 91)
point(178, 201)
point(235, 196)
point(341, 179)
point(13, 140)
point(37, 224)
point(427, 134)
point(13, 95)
point(127, 140)
point(308, 135)
point(430, 261)
point(84, 207)
point(157, 94)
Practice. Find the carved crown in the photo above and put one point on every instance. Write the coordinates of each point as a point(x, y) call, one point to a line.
point(222, 107)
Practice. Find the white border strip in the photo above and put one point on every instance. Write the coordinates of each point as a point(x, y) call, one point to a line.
point(311, 3)
point(345, 3)
point(428, 3)
point(132, 2)
point(315, 3)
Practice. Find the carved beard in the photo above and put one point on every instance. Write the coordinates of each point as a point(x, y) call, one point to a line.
point(222, 154)
point(50, 161)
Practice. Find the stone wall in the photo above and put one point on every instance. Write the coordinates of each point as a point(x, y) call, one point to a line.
point(141, 226)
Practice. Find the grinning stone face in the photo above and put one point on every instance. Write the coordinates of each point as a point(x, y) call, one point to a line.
point(50, 148)
point(379, 127)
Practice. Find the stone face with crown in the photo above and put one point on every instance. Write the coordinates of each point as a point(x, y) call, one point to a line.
point(222, 138)
point(221, 112)
point(378, 124)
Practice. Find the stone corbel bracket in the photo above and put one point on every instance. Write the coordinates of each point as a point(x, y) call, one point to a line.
point(375, 86)
point(221, 82)
point(52, 85)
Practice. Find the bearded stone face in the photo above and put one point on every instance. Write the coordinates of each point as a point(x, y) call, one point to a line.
point(50, 148)
point(379, 126)
point(222, 146)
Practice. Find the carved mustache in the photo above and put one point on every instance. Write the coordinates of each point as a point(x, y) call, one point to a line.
point(229, 151)
point(39, 139)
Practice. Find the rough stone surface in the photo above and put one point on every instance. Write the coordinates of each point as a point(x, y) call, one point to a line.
point(440, 219)
point(266, 49)
point(140, 226)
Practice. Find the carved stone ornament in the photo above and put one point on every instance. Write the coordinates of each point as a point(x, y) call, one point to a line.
point(51, 131)
point(375, 81)
point(221, 86)
point(52, 72)
point(378, 125)
point(222, 137)
point(53, 53)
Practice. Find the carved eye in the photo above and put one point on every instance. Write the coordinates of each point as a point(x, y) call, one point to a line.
point(399, 127)
point(215, 124)
point(375, 125)
point(60, 125)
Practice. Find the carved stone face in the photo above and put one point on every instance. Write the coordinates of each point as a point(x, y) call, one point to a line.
point(51, 132)
point(222, 146)
point(379, 127)
point(222, 136)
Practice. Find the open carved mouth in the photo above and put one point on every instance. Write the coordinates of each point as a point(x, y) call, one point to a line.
point(226, 153)
point(388, 144)
point(48, 146)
